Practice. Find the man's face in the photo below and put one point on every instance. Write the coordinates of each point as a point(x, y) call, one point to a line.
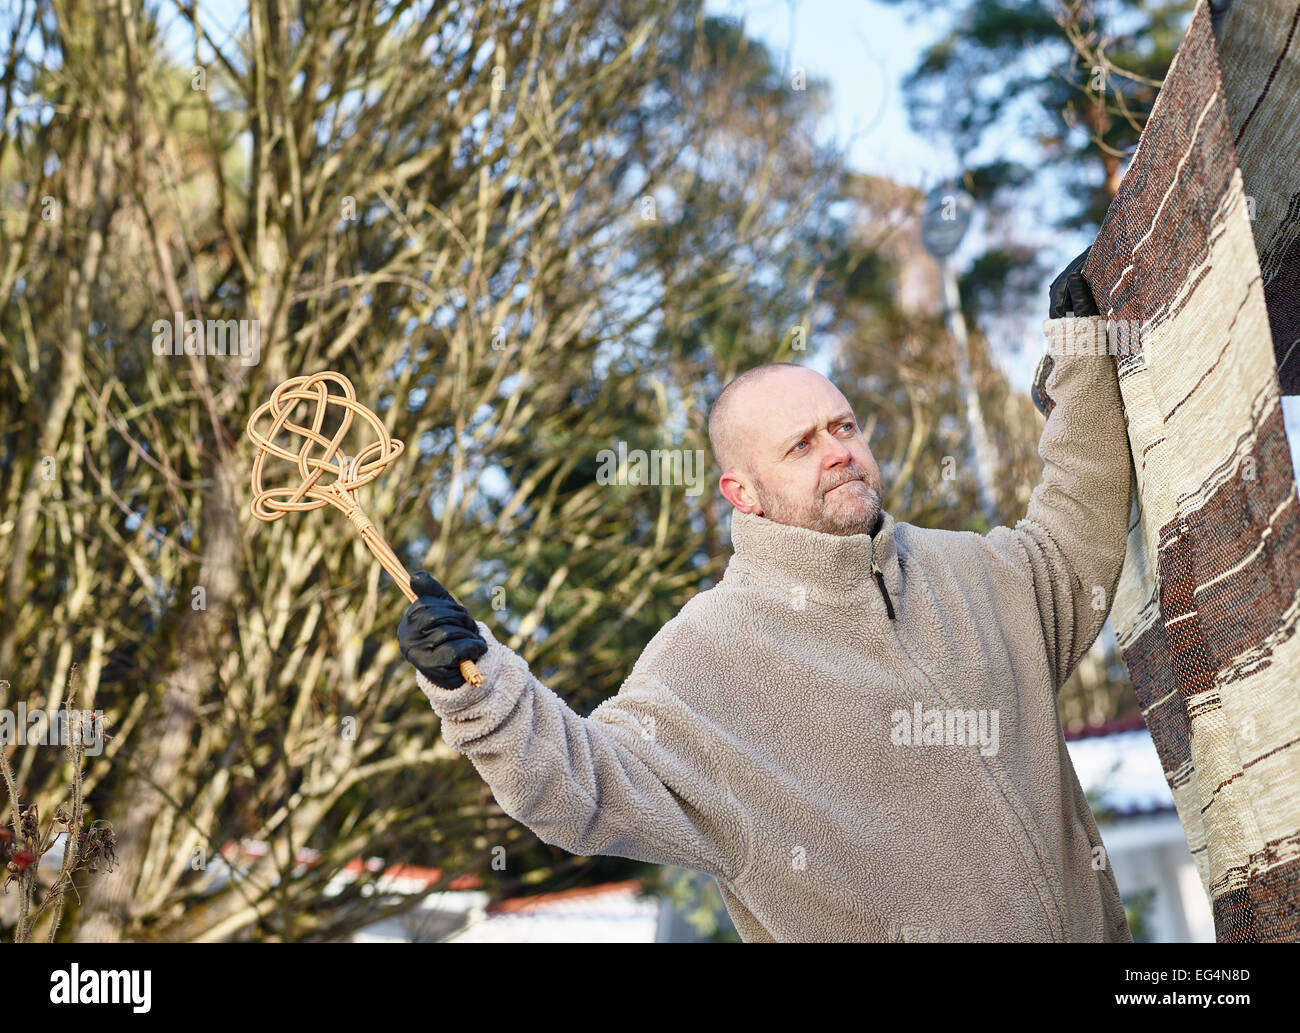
point(806, 462)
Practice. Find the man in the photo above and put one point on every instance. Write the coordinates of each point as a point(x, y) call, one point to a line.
point(855, 732)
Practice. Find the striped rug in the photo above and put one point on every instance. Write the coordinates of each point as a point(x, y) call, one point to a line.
point(1198, 265)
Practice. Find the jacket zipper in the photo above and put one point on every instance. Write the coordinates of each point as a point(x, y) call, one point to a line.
point(880, 580)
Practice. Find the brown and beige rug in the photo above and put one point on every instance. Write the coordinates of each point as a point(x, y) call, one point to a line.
point(1199, 257)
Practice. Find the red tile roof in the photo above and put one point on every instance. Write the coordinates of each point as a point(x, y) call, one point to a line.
point(1128, 723)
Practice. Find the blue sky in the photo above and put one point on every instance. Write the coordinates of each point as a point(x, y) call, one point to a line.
point(862, 49)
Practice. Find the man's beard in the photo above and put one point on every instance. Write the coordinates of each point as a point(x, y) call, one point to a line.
point(817, 516)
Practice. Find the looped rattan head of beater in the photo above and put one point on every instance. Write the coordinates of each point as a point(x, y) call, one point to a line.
point(327, 473)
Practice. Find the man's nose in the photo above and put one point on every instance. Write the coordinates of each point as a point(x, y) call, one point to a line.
point(837, 453)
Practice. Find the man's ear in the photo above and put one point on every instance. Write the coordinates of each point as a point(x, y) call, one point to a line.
point(735, 491)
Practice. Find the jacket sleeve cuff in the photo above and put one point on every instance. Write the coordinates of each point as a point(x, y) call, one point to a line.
point(450, 701)
point(1072, 336)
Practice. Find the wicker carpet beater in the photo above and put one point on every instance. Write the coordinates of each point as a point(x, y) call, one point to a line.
point(327, 475)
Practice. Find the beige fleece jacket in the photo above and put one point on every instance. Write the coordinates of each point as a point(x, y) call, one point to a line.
point(841, 774)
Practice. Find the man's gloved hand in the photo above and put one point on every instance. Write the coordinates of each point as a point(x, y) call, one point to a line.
point(1070, 291)
point(437, 633)
point(1218, 9)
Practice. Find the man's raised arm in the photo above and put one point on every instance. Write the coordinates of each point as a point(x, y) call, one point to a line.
point(1073, 537)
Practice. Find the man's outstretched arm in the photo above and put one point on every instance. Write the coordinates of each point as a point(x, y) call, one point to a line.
point(1073, 536)
point(634, 779)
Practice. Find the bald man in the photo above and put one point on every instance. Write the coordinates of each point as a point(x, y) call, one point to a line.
point(855, 732)
point(791, 450)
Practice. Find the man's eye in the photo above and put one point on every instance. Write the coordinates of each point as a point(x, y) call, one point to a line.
point(804, 442)
point(850, 426)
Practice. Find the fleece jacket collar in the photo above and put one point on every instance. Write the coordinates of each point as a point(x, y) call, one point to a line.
point(833, 569)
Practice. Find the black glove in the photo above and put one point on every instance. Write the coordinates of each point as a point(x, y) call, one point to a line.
point(437, 633)
point(1218, 8)
point(1070, 291)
